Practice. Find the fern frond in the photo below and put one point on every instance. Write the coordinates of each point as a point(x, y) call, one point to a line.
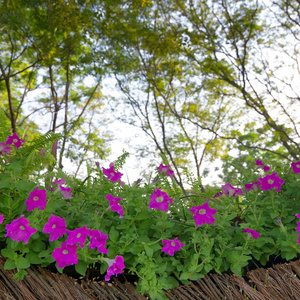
point(31, 157)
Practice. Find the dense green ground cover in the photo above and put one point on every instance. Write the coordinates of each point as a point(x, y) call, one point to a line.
point(149, 229)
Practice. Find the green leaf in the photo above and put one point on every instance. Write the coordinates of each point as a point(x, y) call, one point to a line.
point(113, 234)
point(33, 258)
point(149, 250)
point(207, 267)
point(196, 276)
point(37, 246)
point(236, 269)
point(184, 276)
point(9, 264)
point(24, 185)
point(20, 275)
point(4, 182)
point(9, 253)
point(22, 263)
point(16, 168)
point(142, 215)
point(81, 267)
point(169, 282)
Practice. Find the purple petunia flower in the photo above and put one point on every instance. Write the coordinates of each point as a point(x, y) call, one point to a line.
point(271, 181)
point(4, 148)
point(171, 245)
point(65, 255)
point(113, 203)
point(60, 182)
point(296, 166)
point(14, 139)
point(98, 240)
point(218, 195)
point(255, 186)
point(260, 164)
point(165, 170)
point(228, 189)
point(37, 198)
point(56, 226)
point(77, 235)
point(19, 230)
point(1, 219)
point(298, 227)
point(203, 214)
point(115, 266)
point(254, 233)
point(111, 174)
point(65, 191)
point(159, 200)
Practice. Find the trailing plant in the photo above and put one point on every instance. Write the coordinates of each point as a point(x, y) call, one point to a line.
point(147, 229)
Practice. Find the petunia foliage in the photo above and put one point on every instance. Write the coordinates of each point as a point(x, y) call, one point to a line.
point(147, 229)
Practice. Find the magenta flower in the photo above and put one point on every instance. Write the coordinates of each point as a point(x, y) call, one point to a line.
point(56, 226)
point(65, 191)
point(14, 139)
point(65, 255)
point(228, 189)
point(298, 227)
point(113, 200)
point(19, 230)
point(98, 240)
point(171, 245)
point(115, 266)
point(271, 181)
point(218, 195)
point(112, 174)
point(203, 214)
point(115, 206)
point(255, 186)
point(159, 200)
point(77, 235)
point(1, 219)
point(54, 148)
point(260, 164)
point(4, 149)
point(42, 152)
point(295, 166)
point(37, 198)
point(165, 170)
point(60, 182)
point(119, 209)
point(254, 233)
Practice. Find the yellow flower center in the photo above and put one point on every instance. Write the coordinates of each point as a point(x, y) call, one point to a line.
point(202, 211)
point(35, 198)
point(78, 235)
point(173, 244)
point(65, 251)
point(22, 227)
point(53, 226)
point(298, 166)
point(270, 181)
point(15, 140)
point(160, 199)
